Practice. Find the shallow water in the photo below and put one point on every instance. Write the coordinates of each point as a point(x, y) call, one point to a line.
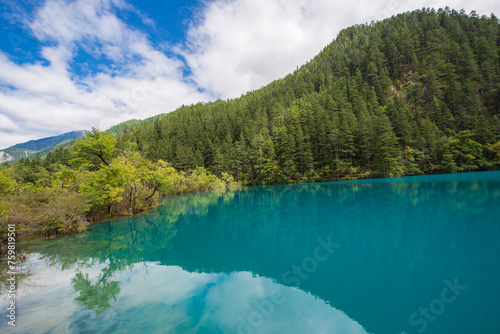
point(407, 255)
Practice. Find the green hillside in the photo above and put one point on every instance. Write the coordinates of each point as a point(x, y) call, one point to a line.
point(417, 93)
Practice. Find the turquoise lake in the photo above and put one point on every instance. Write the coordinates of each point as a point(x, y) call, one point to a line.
point(406, 255)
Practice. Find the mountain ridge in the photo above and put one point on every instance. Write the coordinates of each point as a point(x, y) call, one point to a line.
point(33, 147)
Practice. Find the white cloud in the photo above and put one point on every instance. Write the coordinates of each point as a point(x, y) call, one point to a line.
point(42, 99)
point(189, 300)
point(7, 124)
point(231, 47)
point(242, 45)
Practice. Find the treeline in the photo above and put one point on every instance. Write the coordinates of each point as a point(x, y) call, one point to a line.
point(414, 94)
point(98, 177)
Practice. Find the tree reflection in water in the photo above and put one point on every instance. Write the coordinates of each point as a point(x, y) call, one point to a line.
point(96, 296)
point(119, 244)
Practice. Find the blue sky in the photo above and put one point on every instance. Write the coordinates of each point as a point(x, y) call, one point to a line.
point(75, 64)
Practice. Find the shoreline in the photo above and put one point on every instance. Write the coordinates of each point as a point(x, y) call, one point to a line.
point(39, 232)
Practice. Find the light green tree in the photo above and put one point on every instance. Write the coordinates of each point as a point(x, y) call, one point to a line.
point(104, 187)
point(93, 151)
point(7, 184)
point(161, 177)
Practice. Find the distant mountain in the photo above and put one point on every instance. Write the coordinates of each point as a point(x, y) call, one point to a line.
point(32, 147)
point(45, 145)
point(49, 142)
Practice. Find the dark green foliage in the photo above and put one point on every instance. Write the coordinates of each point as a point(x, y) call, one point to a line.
point(416, 93)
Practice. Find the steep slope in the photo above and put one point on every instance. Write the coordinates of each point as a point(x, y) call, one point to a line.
point(416, 93)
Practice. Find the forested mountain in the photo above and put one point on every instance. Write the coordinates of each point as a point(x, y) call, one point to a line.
point(416, 93)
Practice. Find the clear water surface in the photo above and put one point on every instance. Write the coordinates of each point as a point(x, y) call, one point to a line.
point(407, 255)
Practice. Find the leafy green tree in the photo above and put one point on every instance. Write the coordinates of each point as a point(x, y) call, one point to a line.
point(7, 183)
point(467, 152)
point(162, 177)
point(93, 151)
point(131, 177)
point(104, 187)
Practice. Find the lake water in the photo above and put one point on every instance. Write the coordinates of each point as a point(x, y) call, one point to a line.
point(407, 255)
